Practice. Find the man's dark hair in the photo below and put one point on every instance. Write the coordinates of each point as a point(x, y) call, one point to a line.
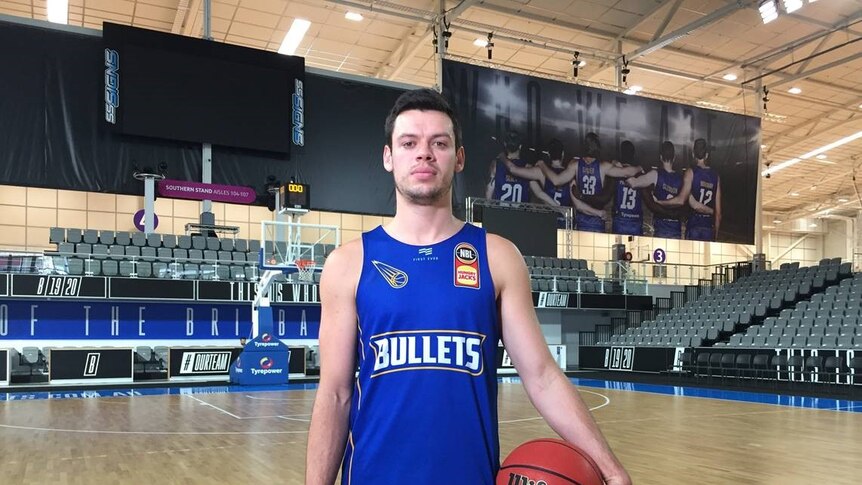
point(423, 100)
point(512, 141)
point(700, 149)
point(593, 145)
point(555, 149)
point(668, 152)
point(627, 153)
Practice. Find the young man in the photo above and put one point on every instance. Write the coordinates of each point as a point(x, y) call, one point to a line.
point(587, 176)
point(705, 198)
point(668, 192)
point(542, 189)
point(502, 184)
point(419, 305)
point(628, 212)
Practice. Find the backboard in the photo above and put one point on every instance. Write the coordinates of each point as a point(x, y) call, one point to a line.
point(284, 243)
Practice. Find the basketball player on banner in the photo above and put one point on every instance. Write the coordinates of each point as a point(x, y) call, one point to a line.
point(503, 185)
point(419, 306)
point(705, 198)
point(669, 193)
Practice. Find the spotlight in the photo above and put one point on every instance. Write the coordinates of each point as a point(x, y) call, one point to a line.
point(625, 71)
point(490, 45)
point(765, 97)
point(791, 6)
point(576, 64)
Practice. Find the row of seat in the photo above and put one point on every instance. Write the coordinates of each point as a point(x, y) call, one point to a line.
point(851, 341)
point(59, 235)
point(814, 368)
point(580, 285)
point(558, 263)
point(157, 269)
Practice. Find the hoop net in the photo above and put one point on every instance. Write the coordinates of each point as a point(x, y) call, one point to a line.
point(305, 269)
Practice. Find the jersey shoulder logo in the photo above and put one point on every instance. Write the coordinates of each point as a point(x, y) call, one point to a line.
point(466, 266)
point(394, 276)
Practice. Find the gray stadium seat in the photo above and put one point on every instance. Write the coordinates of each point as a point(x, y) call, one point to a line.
point(107, 237)
point(139, 239)
point(117, 252)
point(254, 246)
point(100, 251)
point(66, 249)
point(76, 266)
point(237, 273)
point(56, 235)
point(199, 242)
point(222, 272)
point(169, 241)
point(73, 236)
point(148, 253)
point(92, 267)
point(227, 244)
point(213, 244)
point(109, 267)
point(145, 270)
point(184, 242)
point(123, 238)
point(240, 245)
point(91, 236)
point(154, 240)
point(126, 268)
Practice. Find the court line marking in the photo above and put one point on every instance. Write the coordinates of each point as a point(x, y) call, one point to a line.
point(606, 398)
point(213, 406)
point(276, 399)
point(855, 404)
point(173, 433)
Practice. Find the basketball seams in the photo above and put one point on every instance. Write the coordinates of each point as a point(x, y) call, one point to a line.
point(540, 469)
point(568, 445)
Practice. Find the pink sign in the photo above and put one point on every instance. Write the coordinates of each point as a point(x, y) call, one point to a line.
point(181, 189)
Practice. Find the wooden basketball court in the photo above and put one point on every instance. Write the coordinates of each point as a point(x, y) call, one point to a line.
point(260, 437)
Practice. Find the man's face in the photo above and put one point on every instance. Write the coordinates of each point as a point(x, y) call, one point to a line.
point(423, 158)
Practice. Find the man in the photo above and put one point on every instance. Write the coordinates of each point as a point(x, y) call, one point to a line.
point(542, 189)
point(705, 198)
point(628, 212)
point(421, 304)
point(587, 175)
point(669, 193)
point(503, 185)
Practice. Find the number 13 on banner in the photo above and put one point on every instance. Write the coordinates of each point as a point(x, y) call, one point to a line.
point(659, 256)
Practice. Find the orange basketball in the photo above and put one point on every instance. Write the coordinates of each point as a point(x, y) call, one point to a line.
point(548, 461)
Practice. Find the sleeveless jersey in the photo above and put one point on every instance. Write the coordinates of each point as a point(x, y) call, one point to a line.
point(589, 183)
point(560, 193)
point(509, 187)
point(667, 186)
point(424, 408)
point(704, 186)
point(628, 213)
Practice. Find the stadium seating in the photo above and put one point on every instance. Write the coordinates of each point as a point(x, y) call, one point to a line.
point(563, 275)
point(135, 255)
point(715, 318)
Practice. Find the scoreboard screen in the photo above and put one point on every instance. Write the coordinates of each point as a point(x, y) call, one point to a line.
point(294, 196)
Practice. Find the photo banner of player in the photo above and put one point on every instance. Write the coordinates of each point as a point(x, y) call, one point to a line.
point(627, 164)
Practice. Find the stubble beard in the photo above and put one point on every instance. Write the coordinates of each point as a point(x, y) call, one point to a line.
point(425, 196)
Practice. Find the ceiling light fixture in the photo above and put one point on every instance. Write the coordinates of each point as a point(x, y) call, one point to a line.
point(768, 11)
point(813, 153)
point(294, 36)
point(354, 16)
point(794, 194)
point(791, 6)
point(821, 157)
point(729, 77)
point(480, 43)
point(58, 11)
point(843, 200)
point(794, 90)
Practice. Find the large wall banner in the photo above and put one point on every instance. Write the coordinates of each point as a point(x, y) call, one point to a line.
point(628, 164)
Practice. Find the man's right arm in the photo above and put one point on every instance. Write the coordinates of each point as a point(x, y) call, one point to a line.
point(492, 175)
point(327, 434)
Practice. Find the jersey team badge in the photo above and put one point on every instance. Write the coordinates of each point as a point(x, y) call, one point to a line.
point(466, 266)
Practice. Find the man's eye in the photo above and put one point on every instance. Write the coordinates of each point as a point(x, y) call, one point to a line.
point(408, 144)
point(441, 144)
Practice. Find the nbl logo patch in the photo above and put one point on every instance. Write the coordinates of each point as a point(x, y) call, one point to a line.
point(466, 262)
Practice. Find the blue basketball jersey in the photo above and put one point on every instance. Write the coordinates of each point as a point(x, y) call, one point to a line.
point(667, 186)
point(424, 407)
point(509, 187)
point(562, 193)
point(589, 183)
point(628, 213)
point(704, 186)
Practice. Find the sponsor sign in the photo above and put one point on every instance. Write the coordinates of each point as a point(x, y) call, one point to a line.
point(184, 189)
point(553, 300)
point(466, 262)
point(620, 358)
point(57, 286)
point(82, 320)
point(201, 361)
point(90, 364)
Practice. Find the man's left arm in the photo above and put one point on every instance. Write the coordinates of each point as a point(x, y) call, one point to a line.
point(549, 390)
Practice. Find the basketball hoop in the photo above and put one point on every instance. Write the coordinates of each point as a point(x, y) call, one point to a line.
point(305, 269)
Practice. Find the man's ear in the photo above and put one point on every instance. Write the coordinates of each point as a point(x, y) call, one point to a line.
point(460, 159)
point(387, 158)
